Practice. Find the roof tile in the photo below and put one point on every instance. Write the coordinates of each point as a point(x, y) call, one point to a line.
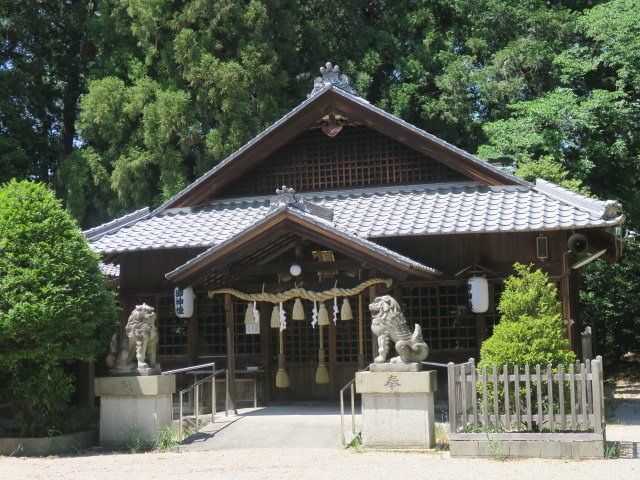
point(372, 213)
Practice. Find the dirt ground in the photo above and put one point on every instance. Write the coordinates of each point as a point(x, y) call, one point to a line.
point(306, 464)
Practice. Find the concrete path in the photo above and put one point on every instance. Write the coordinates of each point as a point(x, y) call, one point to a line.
point(283, 427)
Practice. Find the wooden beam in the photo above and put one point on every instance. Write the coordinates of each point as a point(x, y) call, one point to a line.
point(340, 265)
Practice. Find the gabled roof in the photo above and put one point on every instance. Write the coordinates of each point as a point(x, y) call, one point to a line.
point(331, 99)
point(434, 209)
point(285, 219)
point(113, 226)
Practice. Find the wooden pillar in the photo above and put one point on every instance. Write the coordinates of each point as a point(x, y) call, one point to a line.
point(373, 293)
point(360, 318)
point(265, 348)
point(333, 358)
point(565, 289)
point(231, 353)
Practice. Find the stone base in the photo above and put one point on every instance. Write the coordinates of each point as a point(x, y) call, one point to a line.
point(130, 406)
point(397, 409)
point(134, 372)
point(536, 445)
point(395, 367)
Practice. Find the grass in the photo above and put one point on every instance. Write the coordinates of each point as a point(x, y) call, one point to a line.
point(442, 437)
point(167, 439)
point(355, 443)
point(132, 440)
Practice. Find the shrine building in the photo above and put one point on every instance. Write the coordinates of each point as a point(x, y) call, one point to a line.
point(334, 204)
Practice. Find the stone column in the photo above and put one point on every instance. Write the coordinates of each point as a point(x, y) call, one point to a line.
point(138, 405)
point(397, 408)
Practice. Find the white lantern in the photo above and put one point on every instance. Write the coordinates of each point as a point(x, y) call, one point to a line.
point(478, 294)
point(183, 301)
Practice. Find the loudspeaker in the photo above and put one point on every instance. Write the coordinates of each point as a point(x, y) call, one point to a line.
point(577, 243)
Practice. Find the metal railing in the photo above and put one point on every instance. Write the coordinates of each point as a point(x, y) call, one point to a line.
point(196, 394)
point(353, 407)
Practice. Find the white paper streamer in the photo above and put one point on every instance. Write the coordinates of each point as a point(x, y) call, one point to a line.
point(283, 318)
point(335, 310)
point(256, 313)
point(314, 316)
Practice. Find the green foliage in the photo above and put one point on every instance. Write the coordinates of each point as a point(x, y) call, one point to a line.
point(581, 130)
point(167, 438)
point(132, 440)
point(530, 329)
point(54, 306)
point(611, 305)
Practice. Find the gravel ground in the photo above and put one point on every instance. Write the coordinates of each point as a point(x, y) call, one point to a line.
point(267, 464)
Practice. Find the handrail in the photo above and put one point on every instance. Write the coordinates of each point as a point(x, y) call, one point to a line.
point(186, 369)
point(353, 406)
point(205, 379)
point(435, 364)
point(196, 395)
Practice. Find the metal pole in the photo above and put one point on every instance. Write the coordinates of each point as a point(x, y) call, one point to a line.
point(180, 419)
point(213, 394)
point(197, 404)
point(342, 416)
point(226, 387)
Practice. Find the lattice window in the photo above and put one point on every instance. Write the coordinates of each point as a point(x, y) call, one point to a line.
point(212, 325)
point(443, 312)
point(245, 344)
point(358, 156)
point(172, 330)
point(301, 341)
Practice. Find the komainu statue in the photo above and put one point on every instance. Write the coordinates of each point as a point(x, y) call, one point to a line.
point(141, 341)
point(389, 324)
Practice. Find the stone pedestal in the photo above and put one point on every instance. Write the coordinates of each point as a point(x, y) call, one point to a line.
point(128, 405)
point(397, 408)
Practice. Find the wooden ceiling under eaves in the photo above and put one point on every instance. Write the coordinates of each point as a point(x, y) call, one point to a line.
point(365, 123)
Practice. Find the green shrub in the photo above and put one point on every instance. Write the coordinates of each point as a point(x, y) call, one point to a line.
point(610, 303)
point(54, 306)
point(531, 328)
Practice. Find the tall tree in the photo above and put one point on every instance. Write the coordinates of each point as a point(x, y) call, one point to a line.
point(44, 54)
point(584, 131)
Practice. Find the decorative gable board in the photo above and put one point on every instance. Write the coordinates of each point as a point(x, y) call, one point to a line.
point(314, 111)
point(357, 156)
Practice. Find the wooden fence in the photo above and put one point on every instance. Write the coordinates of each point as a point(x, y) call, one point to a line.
point(567, 398)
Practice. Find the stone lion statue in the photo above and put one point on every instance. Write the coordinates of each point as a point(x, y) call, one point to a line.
point(141, 340)
point(389, 324)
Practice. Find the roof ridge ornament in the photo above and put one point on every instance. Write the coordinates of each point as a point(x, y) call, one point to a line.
point(331, 76)
point(288, 197)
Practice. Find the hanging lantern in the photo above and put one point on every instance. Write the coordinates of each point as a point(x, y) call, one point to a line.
point(183, 301)
point(345, 311)
point(249, 319)
point(323, 315)
point(275, 317)
point(298, 310)
point(478, 294)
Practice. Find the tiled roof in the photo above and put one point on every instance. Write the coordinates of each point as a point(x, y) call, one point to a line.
point(324, 225)
point(95, 233)
point(110, 270)
point(452, 208)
